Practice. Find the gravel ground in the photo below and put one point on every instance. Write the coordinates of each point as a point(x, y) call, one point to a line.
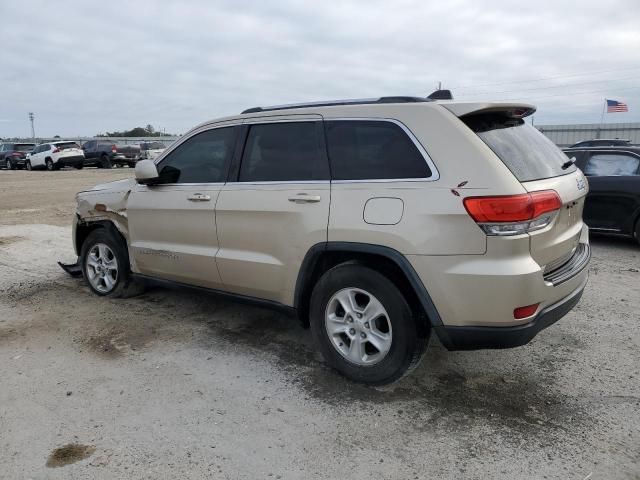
point(173, 384)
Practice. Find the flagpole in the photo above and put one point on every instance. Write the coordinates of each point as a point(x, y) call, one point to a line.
point(602, 118)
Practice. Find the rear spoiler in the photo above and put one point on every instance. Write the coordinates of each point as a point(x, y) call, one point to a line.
point(512, 110)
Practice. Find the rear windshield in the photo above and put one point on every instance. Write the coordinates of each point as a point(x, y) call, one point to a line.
point(523, 149)
point(153, 146)
point(66, 145)
point(24, 147)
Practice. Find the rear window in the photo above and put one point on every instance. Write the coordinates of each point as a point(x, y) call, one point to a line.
point(523, 149)
point(152, 146)
point(66, 145)
point(24, 147)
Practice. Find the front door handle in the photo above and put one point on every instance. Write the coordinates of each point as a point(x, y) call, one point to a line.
point(199, 197)
point(304, 198)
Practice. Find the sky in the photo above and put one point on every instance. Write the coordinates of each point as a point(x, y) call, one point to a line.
point(86, 67)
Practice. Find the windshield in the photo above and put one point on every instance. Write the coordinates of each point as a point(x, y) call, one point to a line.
point(522, 148)
point(24, 147)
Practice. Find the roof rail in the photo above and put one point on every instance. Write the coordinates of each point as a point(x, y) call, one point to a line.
point(334, 103)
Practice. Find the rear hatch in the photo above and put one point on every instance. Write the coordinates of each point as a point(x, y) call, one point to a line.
point(539, 165)
point(69, 149)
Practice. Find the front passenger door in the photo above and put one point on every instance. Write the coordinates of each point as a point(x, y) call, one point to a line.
point(172, 225)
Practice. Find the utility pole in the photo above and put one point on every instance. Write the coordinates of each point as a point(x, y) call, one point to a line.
point(33, 131)
point(439, 85)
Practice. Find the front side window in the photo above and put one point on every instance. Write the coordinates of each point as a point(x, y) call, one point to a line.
point(611, 164)
point(202, 158)
point(372, 150)
point(284, 152)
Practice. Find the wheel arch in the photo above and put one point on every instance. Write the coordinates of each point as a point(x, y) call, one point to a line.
point(391, 263)
point(84, 228)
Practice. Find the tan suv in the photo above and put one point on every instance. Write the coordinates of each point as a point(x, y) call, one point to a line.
point(376, 221)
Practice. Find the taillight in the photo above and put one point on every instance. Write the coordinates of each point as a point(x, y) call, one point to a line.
point(56, 150)
point(514, 214)
point(113, 149)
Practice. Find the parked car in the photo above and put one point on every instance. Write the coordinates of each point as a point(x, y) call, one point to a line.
point(376, 221)
point(602, 142)
point(55, 155)
point(106, 154)
point(613, 203)
point(14, 155)
point(150, 150)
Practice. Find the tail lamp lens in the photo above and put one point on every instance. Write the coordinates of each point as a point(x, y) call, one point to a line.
point(514, 214)
point(524, 312)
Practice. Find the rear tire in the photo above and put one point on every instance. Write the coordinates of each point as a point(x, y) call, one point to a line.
point(375, 349)
point(79, 166)
point(637, 232)
point(48, 163)
point(105, 265)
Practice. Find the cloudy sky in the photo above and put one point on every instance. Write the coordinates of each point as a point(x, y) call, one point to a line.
point(86, 67)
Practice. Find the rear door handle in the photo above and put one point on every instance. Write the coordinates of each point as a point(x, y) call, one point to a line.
point(304, 198)
point(198, 197)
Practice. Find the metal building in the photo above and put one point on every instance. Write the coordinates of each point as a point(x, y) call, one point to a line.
point(565, 135)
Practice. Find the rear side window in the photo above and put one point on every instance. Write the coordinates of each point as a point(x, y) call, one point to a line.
point(611, 164)
point(284, 152)
point(202, 158)
point(523, 149)
point(372, 150)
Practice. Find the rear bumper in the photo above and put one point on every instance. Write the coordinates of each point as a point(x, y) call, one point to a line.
point(475, 338)
point(73, 161)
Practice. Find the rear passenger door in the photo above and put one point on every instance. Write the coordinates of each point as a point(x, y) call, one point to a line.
point(614, 190)
point(274, 207)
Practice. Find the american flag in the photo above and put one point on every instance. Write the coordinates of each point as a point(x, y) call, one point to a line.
point(614, 106)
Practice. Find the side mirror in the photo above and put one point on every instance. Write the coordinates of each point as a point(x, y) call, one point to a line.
point(146, 172)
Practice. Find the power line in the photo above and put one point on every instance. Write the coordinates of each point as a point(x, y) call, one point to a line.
point(613, 90)
point(545, 78)
point(552, 86)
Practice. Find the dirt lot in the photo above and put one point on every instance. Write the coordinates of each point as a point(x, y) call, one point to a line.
point(174, 384)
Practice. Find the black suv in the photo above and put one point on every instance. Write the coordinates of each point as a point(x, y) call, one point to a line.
point(602, 142)
point(613, 202)
point(14, 155)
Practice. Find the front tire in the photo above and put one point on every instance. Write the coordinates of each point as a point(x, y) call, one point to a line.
point(363, 325)
point(105, 265)
point(48, 163)
point(9, 165)
point(28, 165)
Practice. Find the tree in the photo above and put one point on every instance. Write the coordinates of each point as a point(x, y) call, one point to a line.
point(147, 131)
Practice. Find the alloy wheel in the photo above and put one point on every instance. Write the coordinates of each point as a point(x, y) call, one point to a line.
point(102, 268)
point(358, 326)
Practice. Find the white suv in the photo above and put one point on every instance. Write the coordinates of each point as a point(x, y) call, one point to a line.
point(377, 222)
point(55, 155)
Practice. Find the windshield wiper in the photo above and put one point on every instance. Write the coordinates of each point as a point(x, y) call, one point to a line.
point(568, 163)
